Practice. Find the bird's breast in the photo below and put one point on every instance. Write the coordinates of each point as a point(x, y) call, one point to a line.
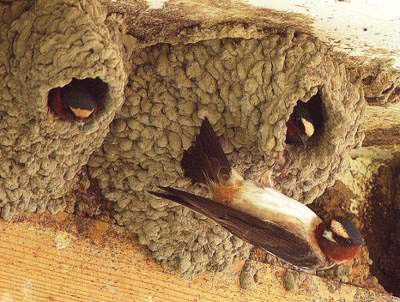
point(339, 253)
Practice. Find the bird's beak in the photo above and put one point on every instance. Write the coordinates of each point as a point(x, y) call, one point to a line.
point(81, 113)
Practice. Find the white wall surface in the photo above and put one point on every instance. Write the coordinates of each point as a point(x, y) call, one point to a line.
point(358, 27)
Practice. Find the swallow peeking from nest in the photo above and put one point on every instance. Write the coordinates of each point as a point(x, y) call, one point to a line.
point(260, 215)
point(79, 100)
point(301, 125)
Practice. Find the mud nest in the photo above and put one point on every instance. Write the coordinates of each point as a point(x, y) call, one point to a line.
point(44, 47)
point(248, 89)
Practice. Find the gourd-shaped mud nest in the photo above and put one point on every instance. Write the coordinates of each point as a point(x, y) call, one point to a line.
point(44, 47)
point(248, 89)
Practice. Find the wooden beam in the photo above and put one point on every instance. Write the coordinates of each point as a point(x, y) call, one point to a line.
point(69, 259)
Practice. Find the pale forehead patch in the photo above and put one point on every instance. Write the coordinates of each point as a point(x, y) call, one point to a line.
point(338, 229)
point(308, 127)
point(81, 113)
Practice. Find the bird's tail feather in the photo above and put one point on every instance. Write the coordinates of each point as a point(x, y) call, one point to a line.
point(193, 202)
point(205, 160)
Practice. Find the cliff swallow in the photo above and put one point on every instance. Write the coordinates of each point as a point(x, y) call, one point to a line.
point(260, 215)
point(75, 101)
point(300, 126)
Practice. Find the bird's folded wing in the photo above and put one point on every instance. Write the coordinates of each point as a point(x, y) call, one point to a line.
point(273, 238)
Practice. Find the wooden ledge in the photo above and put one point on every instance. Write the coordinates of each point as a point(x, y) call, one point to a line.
point(46, 258)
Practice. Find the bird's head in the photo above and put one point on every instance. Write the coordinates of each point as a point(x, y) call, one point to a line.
point(80, 102)
point(339, 239)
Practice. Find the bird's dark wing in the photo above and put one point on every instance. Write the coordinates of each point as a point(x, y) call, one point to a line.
point(271, 237)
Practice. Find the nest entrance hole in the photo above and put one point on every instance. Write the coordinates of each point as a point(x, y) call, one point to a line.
point(90, 92)
point(306, 123)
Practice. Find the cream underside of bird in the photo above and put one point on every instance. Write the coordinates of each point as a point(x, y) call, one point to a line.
point(269, 204)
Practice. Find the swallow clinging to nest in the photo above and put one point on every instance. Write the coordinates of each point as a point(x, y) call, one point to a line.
point(79, 100)
point(260, 215)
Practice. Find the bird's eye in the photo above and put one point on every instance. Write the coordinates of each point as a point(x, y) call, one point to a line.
point(344, 241)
